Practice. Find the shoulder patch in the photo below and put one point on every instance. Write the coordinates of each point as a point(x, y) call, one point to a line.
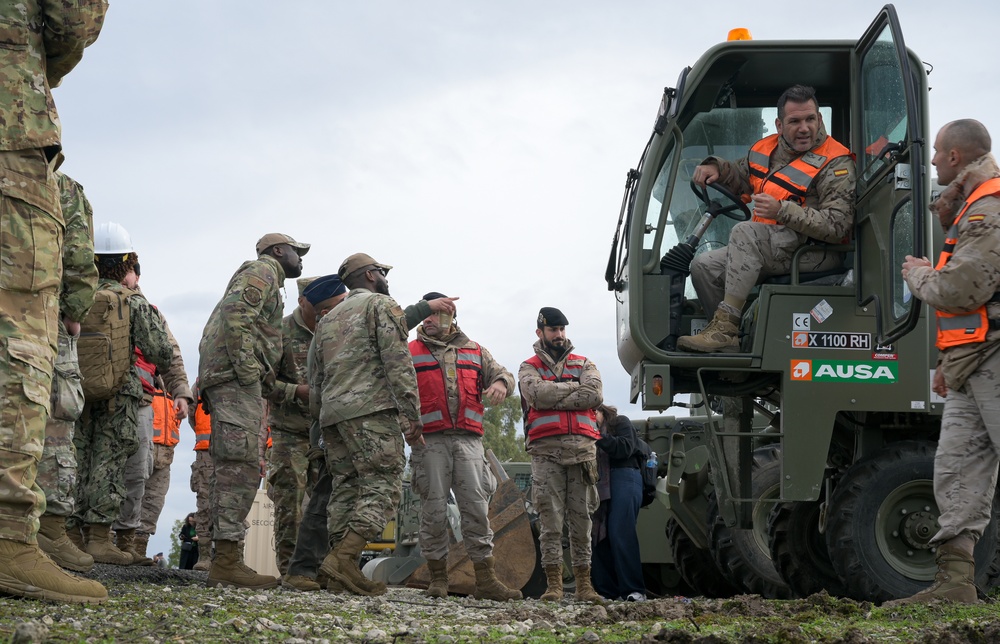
point(252, 296)
point(840, 173)
point(813, 159)
point(258, 283)
point(973, 218)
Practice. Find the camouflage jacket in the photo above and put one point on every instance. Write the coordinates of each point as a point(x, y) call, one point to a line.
point(828, 214)
point(445, 351)
point(242, 339)
point(40, 42)
point(972, 274)
point(288, 412)
point(540, 394)
point(359, 362)
point(79, 280)
point(147, 332)
point(174, 379)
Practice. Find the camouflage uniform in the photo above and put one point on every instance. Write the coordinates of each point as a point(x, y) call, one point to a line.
point(108, 431)
point(968, 452)
point(149, 503)
point(201, 482)
point(563, 467)
point(361, 368)
point(57, 469)
point(241, 345)
point(757, 250)
point(288, 464)
point(44, 41)
point(454, 460)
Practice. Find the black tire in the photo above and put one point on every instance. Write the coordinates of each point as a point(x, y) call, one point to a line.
point(696, 565)
point(882, 515)
point(799, 552)
point(745, 555)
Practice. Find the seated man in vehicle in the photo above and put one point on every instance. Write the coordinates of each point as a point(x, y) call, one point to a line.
point(802, 184)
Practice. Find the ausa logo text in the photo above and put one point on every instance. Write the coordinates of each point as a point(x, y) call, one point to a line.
point(843, 371)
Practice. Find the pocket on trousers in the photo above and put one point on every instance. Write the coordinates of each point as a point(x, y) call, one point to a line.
point(31, 245)
point(232, 443)
point(67, 394)
point(26, 396)
point(589, 472)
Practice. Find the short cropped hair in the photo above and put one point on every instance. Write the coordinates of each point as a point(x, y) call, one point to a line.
point(796, 94)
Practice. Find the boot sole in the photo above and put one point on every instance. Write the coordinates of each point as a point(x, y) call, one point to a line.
point(218, 583)
point(11, 586)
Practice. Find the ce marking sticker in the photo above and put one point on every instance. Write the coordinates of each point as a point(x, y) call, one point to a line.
point(801, 321)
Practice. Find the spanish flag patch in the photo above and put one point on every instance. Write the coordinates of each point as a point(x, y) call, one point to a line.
point(840, 173)
point(976, 218)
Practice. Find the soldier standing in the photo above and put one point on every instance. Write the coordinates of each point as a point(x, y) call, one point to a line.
point(201, 480)
point(454, 374)
point(48, 39)
point(802, 182)
point(239, 349)
point(57, 469)
point(560, 390)
point(964, 287)
point(364, 387)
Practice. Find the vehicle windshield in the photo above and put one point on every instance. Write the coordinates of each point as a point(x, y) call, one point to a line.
point(723, 132)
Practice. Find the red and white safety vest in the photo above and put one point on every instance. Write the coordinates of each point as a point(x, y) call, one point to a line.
point(434, 411)
point(552, 422)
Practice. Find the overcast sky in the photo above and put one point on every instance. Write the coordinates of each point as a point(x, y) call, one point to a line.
point(479, 148)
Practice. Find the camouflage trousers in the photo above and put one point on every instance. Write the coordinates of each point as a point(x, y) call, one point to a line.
point(453, 461)
point(31, 235)
point(968, 452)
point(138, 468)
point(105, 439)
point(365, 457)
point(57, 469)
point(201, 485)
point(564, 492)
point(755, 252)
point(156, 488)
point(237, 414)
point(287, 471)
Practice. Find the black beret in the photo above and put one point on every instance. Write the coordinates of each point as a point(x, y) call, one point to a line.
point(551, 316)
point(323, 288)
point(434, 295)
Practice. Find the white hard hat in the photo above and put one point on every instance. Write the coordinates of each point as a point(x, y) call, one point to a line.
point(112, 239)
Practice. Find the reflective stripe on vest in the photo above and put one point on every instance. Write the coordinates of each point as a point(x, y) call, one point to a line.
point(790, 182)
point(166, 427)
point(955, 329)
point(551, 422)
point(202, 429)
point(147, 372)
point(435, 412)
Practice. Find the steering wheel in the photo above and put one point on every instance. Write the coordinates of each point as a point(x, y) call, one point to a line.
point(736, 210)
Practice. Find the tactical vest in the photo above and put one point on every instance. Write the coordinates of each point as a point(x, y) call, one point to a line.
point(202, 429)
point(166, 427)
point(552, 422)
point(955, 329)
point(434, 412)
point(105, 346)
point(790, 182)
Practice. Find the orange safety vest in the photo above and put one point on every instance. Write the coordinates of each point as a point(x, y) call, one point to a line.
point(434, 412)
point(552, 422)
point(166, 427)
point(202, 429)
point(790, 182)
point(955, 329)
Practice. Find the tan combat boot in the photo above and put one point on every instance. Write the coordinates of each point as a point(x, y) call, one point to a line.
point(722, 335)
point(99, 547)
point(141, 542)
point(26, 571)
point(300, 583)
point(76, 535)
point(228, 569)
point(439, 578)
point(125, 541)
point(342, 565)
point(554, 584)
point(52, 538)
point(487, 584)
point(955, 580)
point(204, 555)
point(585, 587)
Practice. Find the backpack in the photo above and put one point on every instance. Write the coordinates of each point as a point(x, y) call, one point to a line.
point(105, 347)
point(642, 454)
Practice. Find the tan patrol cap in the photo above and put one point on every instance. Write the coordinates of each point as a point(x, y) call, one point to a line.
point(272, 239)
point(303, 282)
point(357, 261)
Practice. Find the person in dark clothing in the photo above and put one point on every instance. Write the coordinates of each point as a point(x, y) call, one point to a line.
point(189, 544)
point(616, 567)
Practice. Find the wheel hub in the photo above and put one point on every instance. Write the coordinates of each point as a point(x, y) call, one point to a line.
point(917, 530)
